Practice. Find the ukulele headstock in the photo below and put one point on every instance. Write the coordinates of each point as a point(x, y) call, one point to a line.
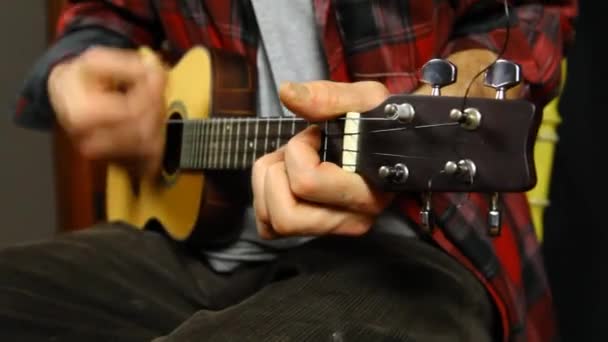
point(438, 143)
point(487, 147)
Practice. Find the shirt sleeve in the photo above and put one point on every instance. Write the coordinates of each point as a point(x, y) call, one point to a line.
point(82, 24)
point(539, 34)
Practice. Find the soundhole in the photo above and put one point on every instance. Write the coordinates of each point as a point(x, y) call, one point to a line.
point(173, 145)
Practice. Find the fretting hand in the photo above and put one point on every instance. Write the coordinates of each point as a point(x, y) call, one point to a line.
point(295, 193)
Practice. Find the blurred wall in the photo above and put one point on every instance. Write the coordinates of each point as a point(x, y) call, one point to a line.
point(27, 203)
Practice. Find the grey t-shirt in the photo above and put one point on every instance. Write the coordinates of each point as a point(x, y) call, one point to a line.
point(288, 41)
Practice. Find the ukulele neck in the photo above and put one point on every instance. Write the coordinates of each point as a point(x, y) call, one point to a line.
point(236, 143)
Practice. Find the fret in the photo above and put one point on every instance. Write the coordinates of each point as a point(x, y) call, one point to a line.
point(222, 142)
point(229, 131)
point(218, 143)
point(214, 144)
point(245, 143)
point(255, 142)
point(293, 126)
point(193, 146)
point(199, 143)
point(278, 143)
point(325, 144)
point(203, 144)
point(236, 145)
point(206, 143)
point(209, 139)
point(266, 136)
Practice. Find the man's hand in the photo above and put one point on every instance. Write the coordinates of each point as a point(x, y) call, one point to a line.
point(297, 194)
point(109, 102)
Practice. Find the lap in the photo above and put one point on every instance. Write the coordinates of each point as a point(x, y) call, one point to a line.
point(108, 282)
point(356, 290)
point(115, 283)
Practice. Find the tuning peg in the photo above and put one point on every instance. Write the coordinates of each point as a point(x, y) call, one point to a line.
point(438, 73)
point(502, 76)
point(464, 169)
point(426, 216)
point(494, 219)
point(394, 174)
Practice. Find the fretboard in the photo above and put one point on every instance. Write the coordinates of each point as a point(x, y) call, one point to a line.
point(234, 143)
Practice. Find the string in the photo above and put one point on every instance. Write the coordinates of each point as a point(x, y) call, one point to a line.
point(231, 133)
point(264, 120)
point(499, 56)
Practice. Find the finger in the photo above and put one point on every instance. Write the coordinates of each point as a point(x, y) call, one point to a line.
point(322, 100)
point(290, 217)
point(92, 110)
point(265, 231)
point(118, 64)
point(327, 183)
point(146, 106)
point(258, 178)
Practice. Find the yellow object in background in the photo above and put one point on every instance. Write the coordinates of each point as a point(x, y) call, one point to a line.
point(544, 151)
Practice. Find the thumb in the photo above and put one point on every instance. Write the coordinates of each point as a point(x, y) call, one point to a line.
point(322, 100)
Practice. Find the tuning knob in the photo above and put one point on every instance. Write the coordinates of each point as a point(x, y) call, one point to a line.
point(465, 169)
point(395, 174)
point(438, 73)
point(502, 76)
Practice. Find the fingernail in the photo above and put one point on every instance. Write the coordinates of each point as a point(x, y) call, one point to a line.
point(150, 60)
point(297, 92)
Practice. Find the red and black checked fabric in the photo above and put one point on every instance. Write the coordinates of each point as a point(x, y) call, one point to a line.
point(388, 41)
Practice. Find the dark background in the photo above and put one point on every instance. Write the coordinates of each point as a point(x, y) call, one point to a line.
point(27, 190)
point(576, 234)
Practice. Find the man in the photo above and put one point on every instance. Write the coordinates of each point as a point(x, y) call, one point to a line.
point(321, 255)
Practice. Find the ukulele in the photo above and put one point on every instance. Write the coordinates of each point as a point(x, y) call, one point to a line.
point(408, 143)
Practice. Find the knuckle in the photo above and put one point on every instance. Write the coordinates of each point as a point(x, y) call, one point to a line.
point(261, 163)
point(368, 205)
point(260, 212)
point(280, 224)
point(303, 184)
point(359, 225)
point(86, 148)
point(326, 96)
point(91, 55)
point(73, 122)
point(258, 171)
point(375, 91)
point(376, 87)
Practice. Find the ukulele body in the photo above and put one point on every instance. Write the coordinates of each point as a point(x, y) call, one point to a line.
point(190, 206)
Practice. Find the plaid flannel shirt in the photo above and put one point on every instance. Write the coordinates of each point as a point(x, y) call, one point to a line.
point(386, 41)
